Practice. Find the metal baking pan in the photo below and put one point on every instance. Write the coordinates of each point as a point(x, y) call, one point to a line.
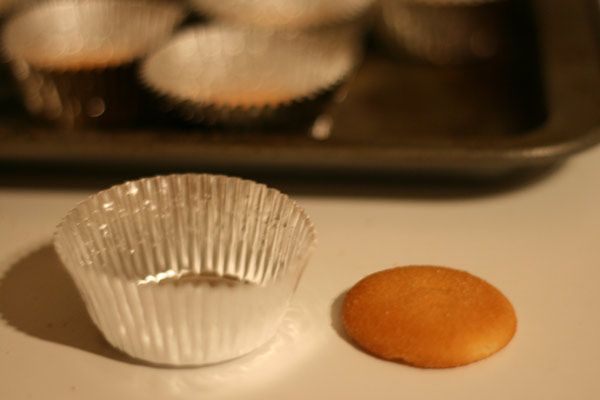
point(533, 107)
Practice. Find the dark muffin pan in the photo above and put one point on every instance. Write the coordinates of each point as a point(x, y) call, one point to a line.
point(534, 105)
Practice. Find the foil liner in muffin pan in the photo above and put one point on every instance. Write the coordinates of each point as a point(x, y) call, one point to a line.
point(74, 59)
point(186, 269)
point(282, 14)
point(224, 75)
point(444, 31)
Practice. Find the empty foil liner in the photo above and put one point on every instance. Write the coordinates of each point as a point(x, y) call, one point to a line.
point(186, 270)
point(223, 75)
point(74, 59)
point(282, 14)
point(444, 31)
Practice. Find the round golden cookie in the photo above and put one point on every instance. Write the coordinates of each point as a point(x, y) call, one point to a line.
point(430, 317)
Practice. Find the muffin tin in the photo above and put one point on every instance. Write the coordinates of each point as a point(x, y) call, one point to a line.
point(533, 106)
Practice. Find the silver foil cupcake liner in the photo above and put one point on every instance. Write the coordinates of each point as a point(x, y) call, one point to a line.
point(282, 14)
point(74, 59)
point(444, 31)
point(186, 269)
point(223, 75)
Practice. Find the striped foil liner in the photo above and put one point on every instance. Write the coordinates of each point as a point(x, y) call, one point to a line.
point(233, 77)
point(189, 269)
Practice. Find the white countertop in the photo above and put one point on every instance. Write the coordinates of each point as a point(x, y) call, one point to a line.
point(539, 243)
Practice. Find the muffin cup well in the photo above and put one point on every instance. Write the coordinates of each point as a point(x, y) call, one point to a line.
point(88, 97)
point(74, 59)
point(186, 269)
point(444, 31)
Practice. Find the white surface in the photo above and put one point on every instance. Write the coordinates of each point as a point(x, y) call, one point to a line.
point(538, 244)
